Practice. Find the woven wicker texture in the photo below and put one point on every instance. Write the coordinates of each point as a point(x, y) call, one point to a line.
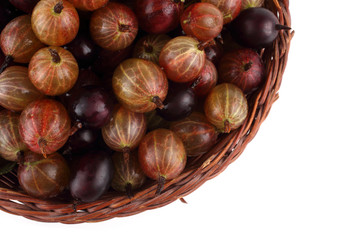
point(229, 147)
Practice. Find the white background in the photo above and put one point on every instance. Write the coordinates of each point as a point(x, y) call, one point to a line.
point(298, 179)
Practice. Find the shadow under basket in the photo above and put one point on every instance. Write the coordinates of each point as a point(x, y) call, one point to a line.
point(228, 148)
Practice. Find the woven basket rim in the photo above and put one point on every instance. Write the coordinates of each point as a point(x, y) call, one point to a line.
point(206, 167)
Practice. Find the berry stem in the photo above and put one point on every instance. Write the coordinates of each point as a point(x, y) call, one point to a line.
point(128, 190)
point(227, 127)
point(75, 128)
point(158, 102)
point(124, 28)
point(247, 66)
point(281, 27)
point(55, 55)
point(161, 183)
point(8, 60)
point(59, 7)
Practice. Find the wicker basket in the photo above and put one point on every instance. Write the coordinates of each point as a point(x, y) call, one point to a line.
point(208, 166)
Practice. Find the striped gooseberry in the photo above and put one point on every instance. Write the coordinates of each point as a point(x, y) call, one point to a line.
point(162, 156)
point(196, 132)
point(16, 89)
point(226, 107)
point(53, 70)
point(182, 59)
point(229, 8)
point(88, 5)
point(43, 177)
point(114, 26)
point(55, 22)
point(124, 131)
point(149, 47)
point(11, 146)
point(244, 68)
point(140, 85)
point(203, 21)
point(18, 41)
point(128, 175)
point(44, 126)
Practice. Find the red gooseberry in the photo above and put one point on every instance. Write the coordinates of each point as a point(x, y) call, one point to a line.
point(44, 126)
point(16, 89)
point(182, 59)
point(203, 21)
point(11, 146)
point(53, 70)
point(140, 85)
point(128, 175)
point(43, 177)
point(18, 41)
point(55, 22)
point(244, 68)
point(162, 156)
point(124, 131)
point(114, 26)
point(226, 107)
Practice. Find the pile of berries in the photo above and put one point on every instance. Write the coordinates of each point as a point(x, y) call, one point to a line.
point(97, 94)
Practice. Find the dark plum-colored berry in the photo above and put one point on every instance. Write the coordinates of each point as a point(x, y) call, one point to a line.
point(256, 27)
point(179, 103)
point(91, 106)
point(91, 176)
point(83, 49)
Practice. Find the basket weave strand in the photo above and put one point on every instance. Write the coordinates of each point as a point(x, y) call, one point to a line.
point(202, 169)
